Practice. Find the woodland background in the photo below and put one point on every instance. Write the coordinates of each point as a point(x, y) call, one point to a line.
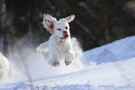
point(97, 22)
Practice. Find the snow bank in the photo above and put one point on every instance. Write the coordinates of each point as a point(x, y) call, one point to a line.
point(6, 68)
point(108, 76)
point(115, 51)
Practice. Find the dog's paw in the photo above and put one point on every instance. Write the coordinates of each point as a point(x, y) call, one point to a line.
point(55, 63)
point(68, 62)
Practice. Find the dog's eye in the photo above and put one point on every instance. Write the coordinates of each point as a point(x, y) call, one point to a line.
point(66, 27)
point(59, 29)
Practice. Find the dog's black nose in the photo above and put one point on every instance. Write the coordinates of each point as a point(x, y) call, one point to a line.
point(64, 32)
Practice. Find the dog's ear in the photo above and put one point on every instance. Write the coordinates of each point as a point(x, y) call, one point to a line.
point(70, 18)
point(48, 22)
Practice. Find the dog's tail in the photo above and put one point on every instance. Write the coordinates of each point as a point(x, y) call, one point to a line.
point(43, 47)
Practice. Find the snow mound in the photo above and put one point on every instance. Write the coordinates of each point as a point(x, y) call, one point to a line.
point(115, 51)
point(6, 68)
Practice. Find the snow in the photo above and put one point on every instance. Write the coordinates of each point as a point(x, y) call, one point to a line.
point(115, 51)
point(6, 68)
point(109, 67)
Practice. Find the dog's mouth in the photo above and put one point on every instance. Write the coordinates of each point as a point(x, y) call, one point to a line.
point(64, 37)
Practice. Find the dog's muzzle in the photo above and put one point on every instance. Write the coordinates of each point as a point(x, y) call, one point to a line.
point(64, 37)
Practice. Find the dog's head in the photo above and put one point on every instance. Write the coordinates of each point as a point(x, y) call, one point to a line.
point(60, 28)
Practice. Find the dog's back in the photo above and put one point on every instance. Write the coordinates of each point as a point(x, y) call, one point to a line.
point(43, 47)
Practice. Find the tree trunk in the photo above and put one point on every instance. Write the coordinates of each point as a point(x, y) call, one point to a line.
point(3, 17)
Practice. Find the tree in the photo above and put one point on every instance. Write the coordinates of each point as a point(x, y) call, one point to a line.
point(97, 22)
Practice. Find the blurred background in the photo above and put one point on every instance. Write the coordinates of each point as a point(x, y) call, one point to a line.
point(97, 22)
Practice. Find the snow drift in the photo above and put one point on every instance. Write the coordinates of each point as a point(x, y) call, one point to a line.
point(112, 52)
point(6, 68)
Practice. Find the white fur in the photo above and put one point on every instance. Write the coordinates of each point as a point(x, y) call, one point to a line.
point(59, 45)
point(43, 47)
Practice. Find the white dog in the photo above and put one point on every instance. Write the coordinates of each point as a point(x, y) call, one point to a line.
point(59, 45)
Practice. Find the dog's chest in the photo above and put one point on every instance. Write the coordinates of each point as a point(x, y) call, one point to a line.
point(63, 47)
point(61, 50)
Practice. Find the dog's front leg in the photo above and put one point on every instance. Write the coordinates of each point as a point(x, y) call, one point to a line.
point(69, 56)
point(53, 60)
